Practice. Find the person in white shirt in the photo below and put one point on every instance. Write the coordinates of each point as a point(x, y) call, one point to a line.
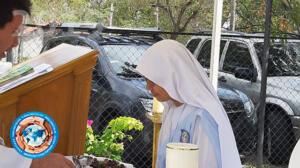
point(192, 112)
point(12, 12)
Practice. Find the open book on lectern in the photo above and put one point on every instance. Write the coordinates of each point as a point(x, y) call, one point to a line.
point(22, 74)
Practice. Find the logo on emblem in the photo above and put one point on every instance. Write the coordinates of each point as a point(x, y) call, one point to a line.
point(185, 136)
point(34, 134)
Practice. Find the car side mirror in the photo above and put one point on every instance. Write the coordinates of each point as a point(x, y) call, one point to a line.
point(246, 73)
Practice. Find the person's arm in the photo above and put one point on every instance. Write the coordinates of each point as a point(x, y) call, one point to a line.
point(9, 157)
point(54, 160)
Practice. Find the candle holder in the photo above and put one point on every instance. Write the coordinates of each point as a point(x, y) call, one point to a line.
point(156, 117)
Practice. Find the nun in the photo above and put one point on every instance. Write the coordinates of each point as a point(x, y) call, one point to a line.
point(192, 111)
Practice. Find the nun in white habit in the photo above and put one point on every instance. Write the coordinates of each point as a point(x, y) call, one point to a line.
point(192, 111)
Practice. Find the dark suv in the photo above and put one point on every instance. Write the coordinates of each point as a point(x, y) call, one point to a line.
point(118, 91)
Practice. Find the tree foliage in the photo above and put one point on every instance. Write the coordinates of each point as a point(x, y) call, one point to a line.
point(285, 15)
point(68, 11)
point(182, 13)
point(174, 15)
point(133, 13)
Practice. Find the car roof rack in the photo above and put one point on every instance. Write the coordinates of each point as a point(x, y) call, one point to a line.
point(154, 32)
point(91, 27)
point(224, 31)
point(259, 35)
point(295, 35)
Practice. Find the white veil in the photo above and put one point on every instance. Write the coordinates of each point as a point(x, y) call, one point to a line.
point(171, 66)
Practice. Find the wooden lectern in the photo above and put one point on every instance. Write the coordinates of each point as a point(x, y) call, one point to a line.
point(63, 94)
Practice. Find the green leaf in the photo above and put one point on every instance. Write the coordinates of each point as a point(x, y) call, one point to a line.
point(107, 145)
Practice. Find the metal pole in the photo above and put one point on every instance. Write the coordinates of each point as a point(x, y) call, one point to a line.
point(9, 57)
point(232, 15)
point(156, 12)
point(111, 13)
point(261, 115)
point(216, 38)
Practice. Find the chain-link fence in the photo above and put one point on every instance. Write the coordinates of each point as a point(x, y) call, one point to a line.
point(240, 69)
point(118, 91)
point(30, 45)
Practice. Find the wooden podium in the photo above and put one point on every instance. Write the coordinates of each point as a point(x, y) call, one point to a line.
point(63, 94)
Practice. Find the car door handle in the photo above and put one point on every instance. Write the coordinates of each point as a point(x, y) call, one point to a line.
point(222, 79)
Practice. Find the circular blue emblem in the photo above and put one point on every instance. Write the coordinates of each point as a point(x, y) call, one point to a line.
point(34, 134)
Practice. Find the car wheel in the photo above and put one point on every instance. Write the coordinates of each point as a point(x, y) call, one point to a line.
point(279, 138)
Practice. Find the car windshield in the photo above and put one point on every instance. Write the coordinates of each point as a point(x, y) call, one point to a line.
point(124, 58)
point(284, 58)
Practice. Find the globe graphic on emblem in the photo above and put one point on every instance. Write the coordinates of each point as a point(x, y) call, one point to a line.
point(34, 134)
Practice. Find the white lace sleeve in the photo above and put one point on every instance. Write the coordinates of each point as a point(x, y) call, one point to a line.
point(11, 158)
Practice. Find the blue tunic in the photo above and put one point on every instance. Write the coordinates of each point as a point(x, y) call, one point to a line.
point(190, 124)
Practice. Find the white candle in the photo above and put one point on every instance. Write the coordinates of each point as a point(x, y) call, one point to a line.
point(157, 107)
point(181, 155)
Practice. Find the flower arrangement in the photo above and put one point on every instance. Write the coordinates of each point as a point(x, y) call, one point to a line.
point(110, 143)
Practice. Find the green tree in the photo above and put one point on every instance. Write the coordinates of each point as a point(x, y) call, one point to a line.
point(181, 13)
point(285, 15)
point(174, 15)
point(68, 11)
point(132, 13)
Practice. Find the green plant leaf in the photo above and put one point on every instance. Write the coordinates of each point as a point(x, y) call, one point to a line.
point(107, 144)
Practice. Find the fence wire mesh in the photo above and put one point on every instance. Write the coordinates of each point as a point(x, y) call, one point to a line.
point(118, 91)
point(240, 69)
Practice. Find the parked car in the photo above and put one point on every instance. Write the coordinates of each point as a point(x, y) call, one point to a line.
point(240, 67)
point(243, 118)
point(118, 91)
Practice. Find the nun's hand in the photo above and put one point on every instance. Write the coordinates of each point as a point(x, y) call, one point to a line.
point(53, 160)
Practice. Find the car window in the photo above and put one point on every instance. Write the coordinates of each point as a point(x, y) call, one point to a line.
point(52, 44)
point(57, 42)
point(124, 58)
point(82, 43)
point(192, 45)
point(95, 69)
point(283, 58)
point(237, 56)
point(204, 54)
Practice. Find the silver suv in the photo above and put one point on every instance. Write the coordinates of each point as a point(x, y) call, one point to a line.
point(240, 68)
